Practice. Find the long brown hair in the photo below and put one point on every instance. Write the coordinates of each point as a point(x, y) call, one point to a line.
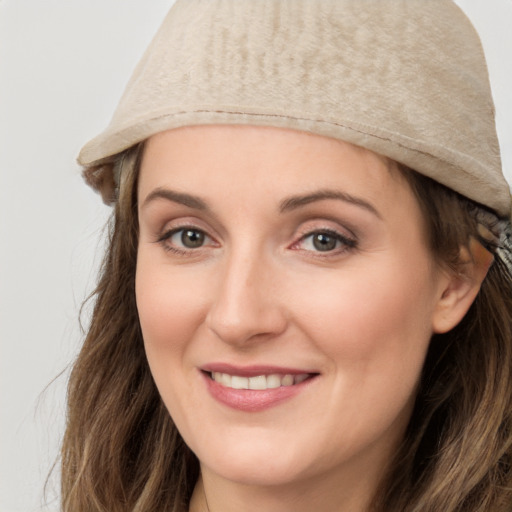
point(457, 451)
point(122, 452)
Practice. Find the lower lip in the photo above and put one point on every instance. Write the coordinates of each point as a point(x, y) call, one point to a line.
point(251, 400)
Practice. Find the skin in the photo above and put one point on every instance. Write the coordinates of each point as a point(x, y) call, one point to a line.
point(258, 291)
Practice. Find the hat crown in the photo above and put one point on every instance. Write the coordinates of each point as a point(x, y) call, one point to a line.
point(404, 78)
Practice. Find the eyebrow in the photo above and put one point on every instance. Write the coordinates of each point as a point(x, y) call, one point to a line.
point(287, 205)
point(177, 197)
point(294, 202)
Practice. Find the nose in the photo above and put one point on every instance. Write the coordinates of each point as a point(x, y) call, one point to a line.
point(246, 306)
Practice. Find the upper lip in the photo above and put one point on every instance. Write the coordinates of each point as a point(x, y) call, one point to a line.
point(253, 370)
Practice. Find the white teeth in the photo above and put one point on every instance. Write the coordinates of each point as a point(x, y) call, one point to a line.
point(273, 381)
point(287, 380)
point(239, 382)
point(225, 379)
point(259, 382)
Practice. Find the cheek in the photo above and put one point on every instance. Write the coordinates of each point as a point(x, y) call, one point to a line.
point(375, 333)
point(170, 308)
point(374, 325)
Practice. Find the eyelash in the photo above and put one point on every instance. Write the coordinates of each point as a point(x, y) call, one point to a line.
point(347, 244)
point(186, 251)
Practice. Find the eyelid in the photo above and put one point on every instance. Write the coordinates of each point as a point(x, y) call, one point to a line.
point(165, 235)
point(164, 227)
point(330, 232)
point(169, 233)
point(344, 236)
point(349, 241)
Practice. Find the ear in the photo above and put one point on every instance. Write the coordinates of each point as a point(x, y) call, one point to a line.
point(459, 290)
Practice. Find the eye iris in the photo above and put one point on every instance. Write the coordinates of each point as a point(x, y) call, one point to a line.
point(192, 239)
point(324, 242)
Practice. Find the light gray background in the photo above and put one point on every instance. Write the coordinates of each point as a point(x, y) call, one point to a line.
point(63, 66)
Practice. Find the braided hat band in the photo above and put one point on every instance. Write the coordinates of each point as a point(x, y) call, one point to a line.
point(403, 78)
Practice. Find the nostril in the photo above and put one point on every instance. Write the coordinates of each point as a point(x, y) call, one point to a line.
point(246, 326)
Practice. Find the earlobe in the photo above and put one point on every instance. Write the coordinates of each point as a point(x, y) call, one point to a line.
point(459, 290)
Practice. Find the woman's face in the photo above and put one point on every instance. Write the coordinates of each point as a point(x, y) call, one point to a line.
point(293, 265)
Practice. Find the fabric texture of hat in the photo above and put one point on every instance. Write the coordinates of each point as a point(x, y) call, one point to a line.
point(404, 78)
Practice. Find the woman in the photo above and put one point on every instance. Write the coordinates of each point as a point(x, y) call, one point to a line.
point(289, 317)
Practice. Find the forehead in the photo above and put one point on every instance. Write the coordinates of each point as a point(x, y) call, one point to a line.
point(229, 157)
point(248, 167)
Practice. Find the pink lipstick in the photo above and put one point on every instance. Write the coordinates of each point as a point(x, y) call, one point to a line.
point(254, 388)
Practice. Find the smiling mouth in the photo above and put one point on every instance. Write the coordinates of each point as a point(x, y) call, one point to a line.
point(255, 388)
point(259, 382)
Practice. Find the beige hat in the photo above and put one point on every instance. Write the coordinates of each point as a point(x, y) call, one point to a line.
point(404, 78)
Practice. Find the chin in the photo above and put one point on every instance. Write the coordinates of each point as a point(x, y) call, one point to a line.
point(261, 474)
point(256, 463)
